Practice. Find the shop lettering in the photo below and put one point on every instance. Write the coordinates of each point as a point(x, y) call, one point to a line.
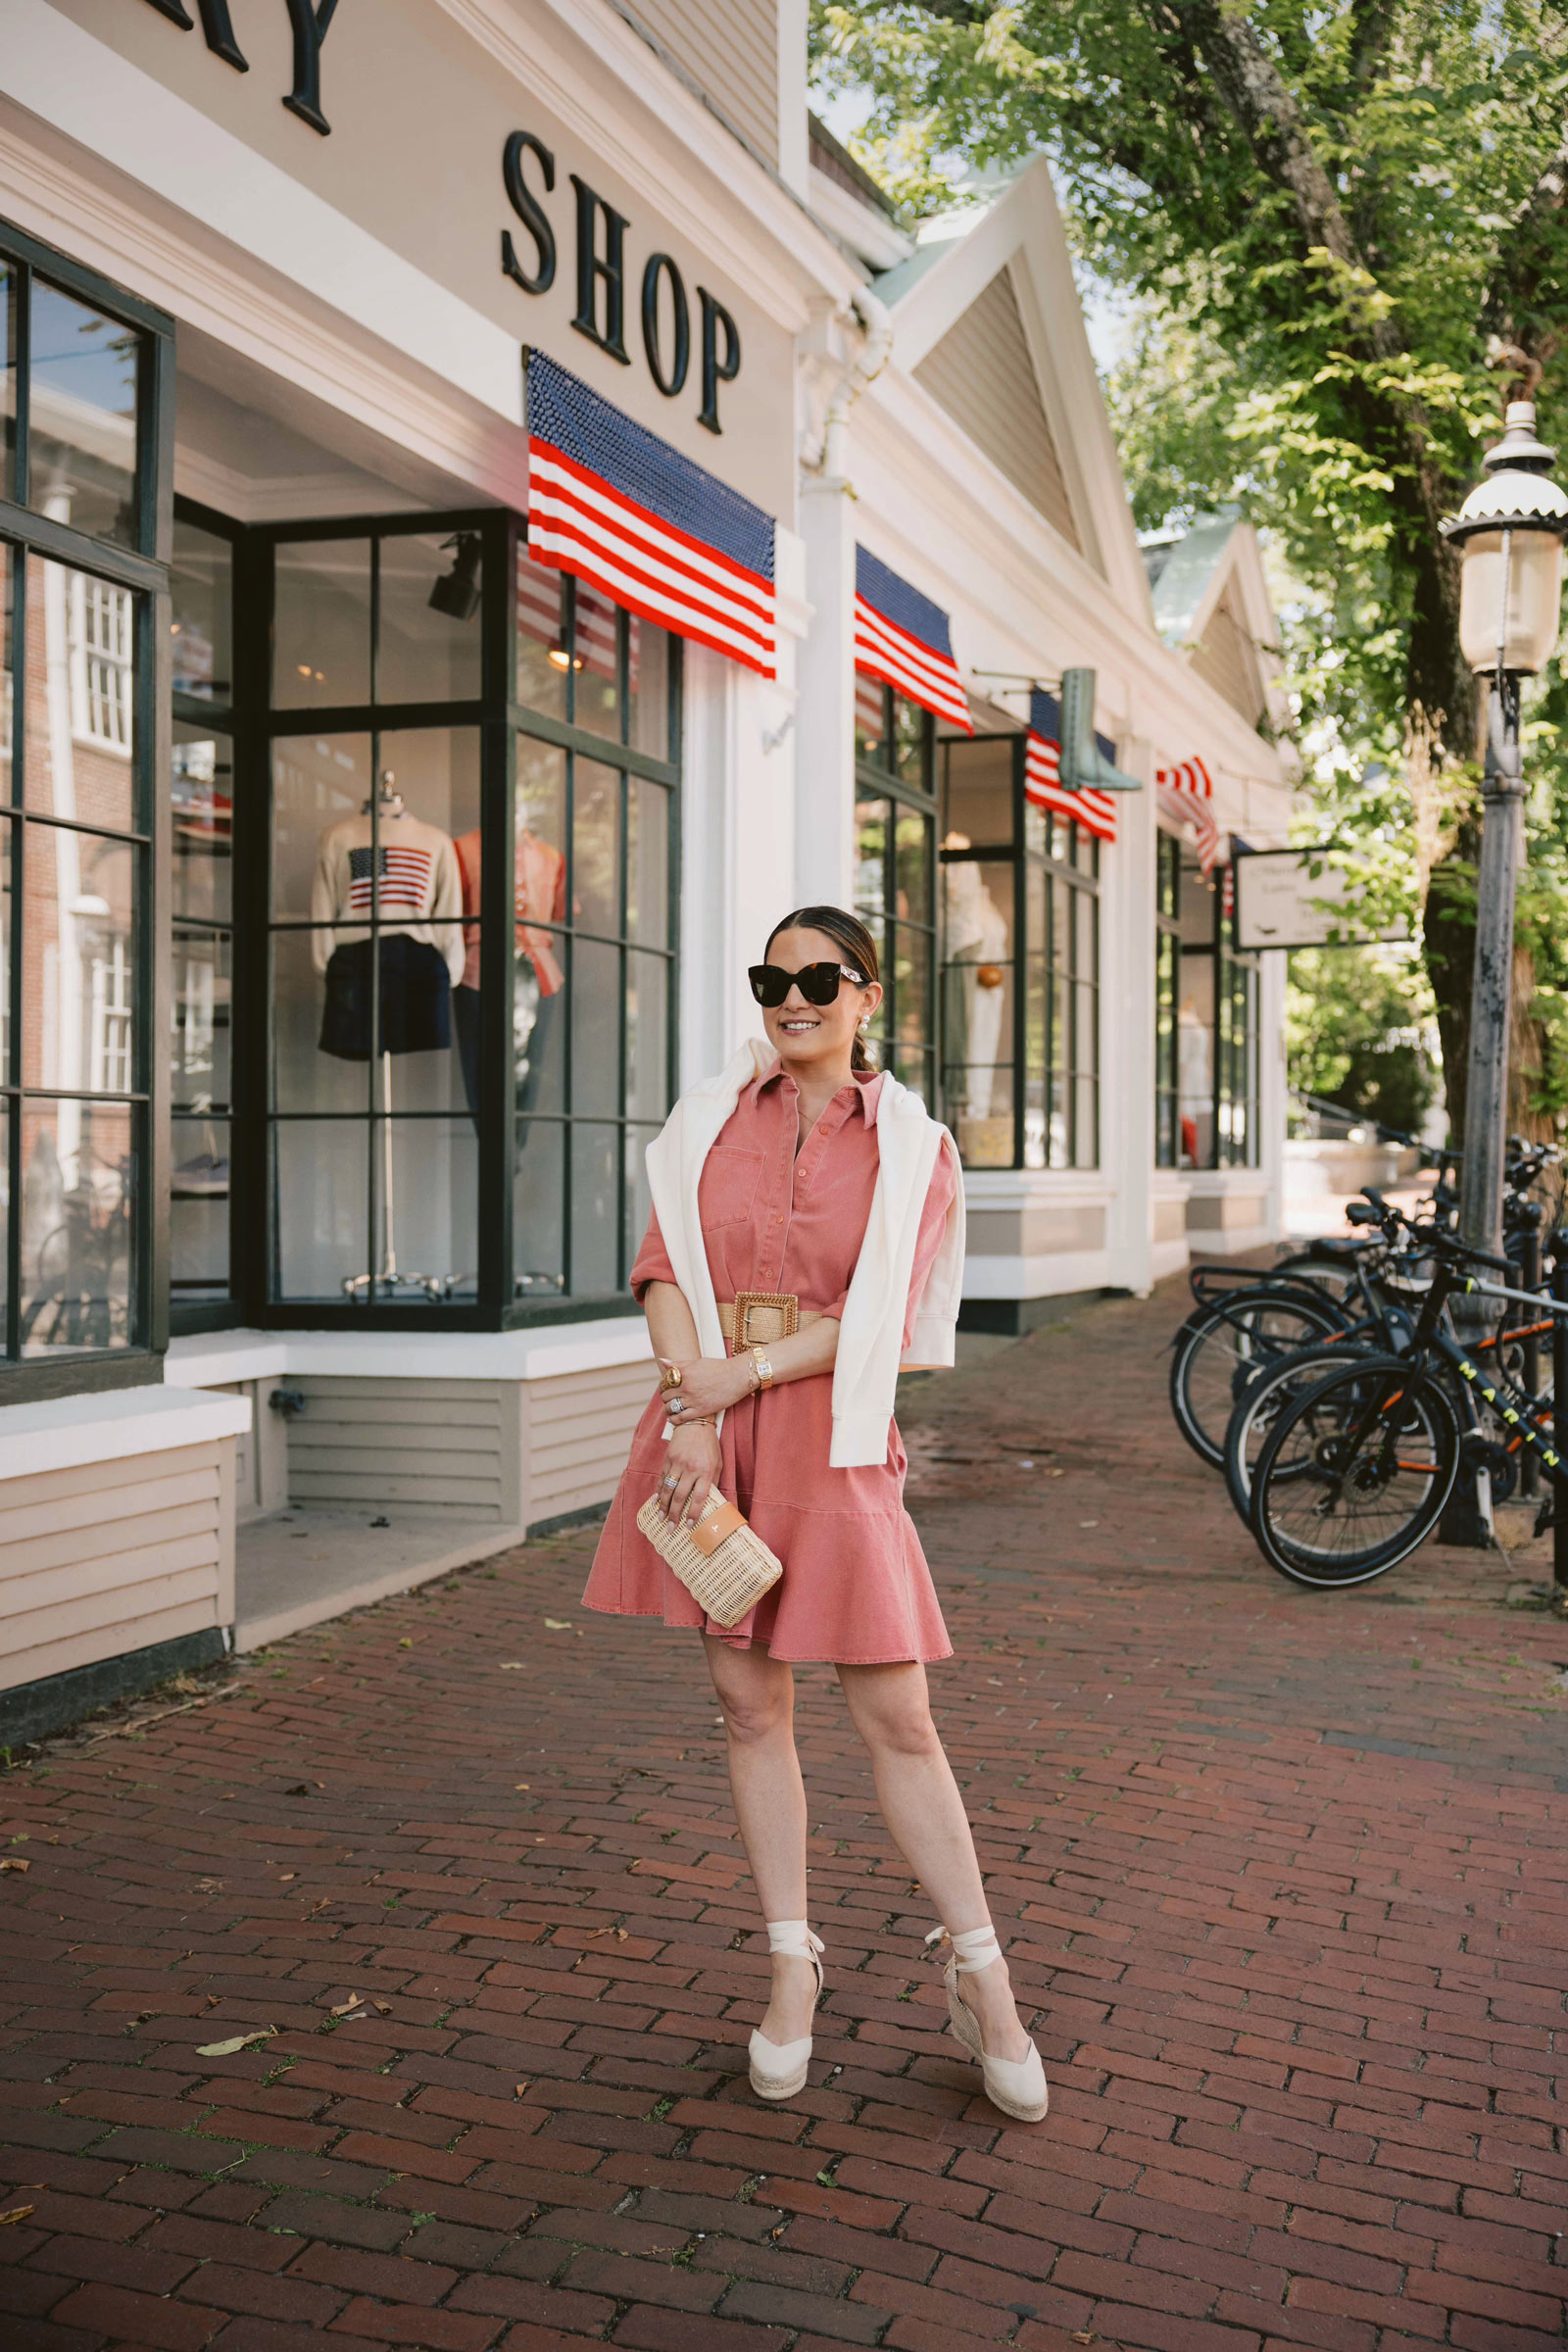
point(601, 282)
point(309, 21)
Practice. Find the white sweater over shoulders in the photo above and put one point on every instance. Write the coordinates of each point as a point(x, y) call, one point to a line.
point(870, 1351)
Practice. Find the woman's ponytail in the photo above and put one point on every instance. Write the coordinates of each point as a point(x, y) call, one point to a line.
point(848, 932)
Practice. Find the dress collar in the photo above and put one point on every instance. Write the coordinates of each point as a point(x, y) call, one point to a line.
point(867, 1087)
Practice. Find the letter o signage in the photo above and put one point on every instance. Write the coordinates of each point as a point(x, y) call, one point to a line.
point(670, 379)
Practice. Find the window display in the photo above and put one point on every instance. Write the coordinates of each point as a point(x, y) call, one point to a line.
point(379, 1203)
point(1216, 1021)
point(388, 1077)
point(1020, 998)
point(894, 874)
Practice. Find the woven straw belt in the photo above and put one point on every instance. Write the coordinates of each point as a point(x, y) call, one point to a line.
point(756, 1317)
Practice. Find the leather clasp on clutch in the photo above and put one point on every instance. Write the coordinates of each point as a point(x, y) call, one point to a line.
point(716, 1527)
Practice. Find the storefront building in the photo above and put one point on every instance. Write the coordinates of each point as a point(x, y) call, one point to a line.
point(493, 510)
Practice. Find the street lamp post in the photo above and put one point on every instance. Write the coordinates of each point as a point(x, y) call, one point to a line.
point(1510, 533)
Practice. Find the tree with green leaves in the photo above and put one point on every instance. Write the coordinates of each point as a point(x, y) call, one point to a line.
point(1322, 216)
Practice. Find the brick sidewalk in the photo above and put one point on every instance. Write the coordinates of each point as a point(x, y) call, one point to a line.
point(1280, 1871)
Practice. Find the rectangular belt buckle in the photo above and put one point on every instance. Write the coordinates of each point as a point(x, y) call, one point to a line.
point(785, 1302)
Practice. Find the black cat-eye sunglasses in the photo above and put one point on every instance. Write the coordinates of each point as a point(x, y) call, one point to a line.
point(818, 983)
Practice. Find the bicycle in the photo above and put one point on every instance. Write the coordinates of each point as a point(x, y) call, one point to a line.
point(1355, 1472)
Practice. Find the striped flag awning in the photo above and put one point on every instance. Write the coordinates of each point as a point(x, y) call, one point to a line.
point(1042, 775)
point(612, 503)
point(902, 636)
point(1185, 790)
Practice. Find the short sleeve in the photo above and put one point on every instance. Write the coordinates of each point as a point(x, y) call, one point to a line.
point(651, 1262)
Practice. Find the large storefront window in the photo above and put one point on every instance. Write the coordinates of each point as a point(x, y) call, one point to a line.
point(1217, 1041)
point(472, 934)
point(423, 808)
point(894, 873)
point(1020, 994)
point(84, 376)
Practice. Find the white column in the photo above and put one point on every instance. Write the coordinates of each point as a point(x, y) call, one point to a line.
point(1127, 1026)
point(824, 735)
point(1271, 1084)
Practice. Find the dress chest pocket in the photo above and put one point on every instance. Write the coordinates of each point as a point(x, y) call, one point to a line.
point(731, 1180)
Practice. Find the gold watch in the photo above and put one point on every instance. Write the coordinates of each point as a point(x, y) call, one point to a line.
point(765, 1370)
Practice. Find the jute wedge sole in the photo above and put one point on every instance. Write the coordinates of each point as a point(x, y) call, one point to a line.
point(778, 2069)
point(1016, 2086)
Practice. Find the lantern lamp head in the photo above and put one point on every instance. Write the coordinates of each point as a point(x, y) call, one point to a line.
point(1510, 533)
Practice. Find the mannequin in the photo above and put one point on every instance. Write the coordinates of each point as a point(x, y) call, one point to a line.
point(388, 990)
point(389, 864)
point(977, 944)
point(539, 895)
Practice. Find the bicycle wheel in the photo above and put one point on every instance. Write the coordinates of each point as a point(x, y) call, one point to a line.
point(1268, 1394)
point(1223, 1347)
point(1354, 1474)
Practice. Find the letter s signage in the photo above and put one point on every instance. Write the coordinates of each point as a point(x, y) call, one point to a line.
point(601, 280)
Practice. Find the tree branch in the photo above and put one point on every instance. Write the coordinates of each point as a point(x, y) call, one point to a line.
point(1522, 253)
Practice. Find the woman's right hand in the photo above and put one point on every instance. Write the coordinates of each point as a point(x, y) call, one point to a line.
point(692, 1460)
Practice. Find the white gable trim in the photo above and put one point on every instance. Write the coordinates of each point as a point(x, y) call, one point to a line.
point(1025, 229)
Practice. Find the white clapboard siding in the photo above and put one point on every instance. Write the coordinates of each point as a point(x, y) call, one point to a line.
point(730, 50)
point(981, 374)
point(579, 1430)
point(446, 1448)
point(113, 1556)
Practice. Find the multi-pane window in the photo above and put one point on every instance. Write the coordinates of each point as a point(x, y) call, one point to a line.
point(471, 923)
point(1167, 997)
point(1217, 1042)
point(894, 874)
point(1020, 998)
point(592, 986)
point(100, 664)
point(83, 657)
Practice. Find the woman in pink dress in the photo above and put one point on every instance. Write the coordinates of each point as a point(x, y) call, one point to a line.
point(785, 1194)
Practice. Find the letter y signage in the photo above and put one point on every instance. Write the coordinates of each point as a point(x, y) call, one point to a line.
point(309, 21)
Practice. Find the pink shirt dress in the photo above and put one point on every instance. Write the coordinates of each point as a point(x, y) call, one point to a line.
point(856, 1588)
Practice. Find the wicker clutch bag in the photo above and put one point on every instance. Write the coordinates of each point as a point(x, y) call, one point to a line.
point(723, 1565)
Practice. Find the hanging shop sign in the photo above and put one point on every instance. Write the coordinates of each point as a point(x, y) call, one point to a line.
point(1294, 899)
point(664, 310)
point(1042, 775)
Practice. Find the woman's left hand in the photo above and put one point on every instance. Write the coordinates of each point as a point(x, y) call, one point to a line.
point(709, 1384)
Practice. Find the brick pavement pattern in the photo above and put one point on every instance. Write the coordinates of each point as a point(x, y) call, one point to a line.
point(1281, 1871)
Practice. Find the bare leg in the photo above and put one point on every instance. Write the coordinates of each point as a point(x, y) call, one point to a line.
point(757, 1696)
point(925, 1811)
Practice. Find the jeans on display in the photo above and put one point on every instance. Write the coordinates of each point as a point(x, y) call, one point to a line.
point(465, 1016)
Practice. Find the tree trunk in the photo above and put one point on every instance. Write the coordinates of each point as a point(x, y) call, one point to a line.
point(1442, 726)
point(1527, 1056)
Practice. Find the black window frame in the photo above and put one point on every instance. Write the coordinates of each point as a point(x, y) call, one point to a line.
point(143, 571)
point(1167, 999)
point(187, 1317)
point(1023, 857)
point(1237, 1045)
point(880, 777)
point(498, 718)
